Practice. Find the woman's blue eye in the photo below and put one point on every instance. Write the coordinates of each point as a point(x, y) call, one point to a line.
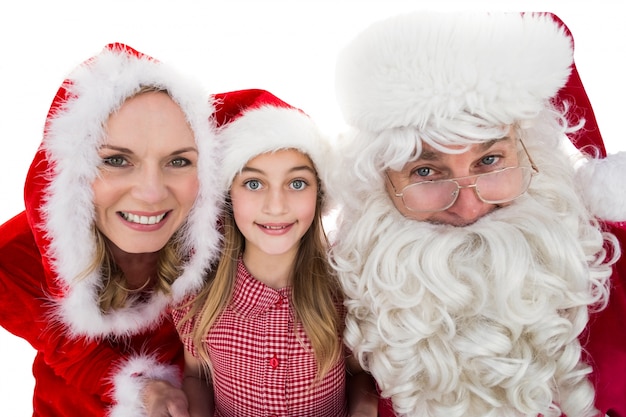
point(253, 184)
point(181, 162)
point(298, 184)
point(115, 161)
point(423, 171)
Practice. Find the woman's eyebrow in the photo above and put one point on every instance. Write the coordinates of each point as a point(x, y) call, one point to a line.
point(116, 148)
point(122, 149)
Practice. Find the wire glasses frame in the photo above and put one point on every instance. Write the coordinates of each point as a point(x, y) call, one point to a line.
point(496, 187)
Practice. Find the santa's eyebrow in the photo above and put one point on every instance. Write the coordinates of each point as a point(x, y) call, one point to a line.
point(432, 155)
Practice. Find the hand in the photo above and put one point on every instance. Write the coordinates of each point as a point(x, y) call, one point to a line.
point(162, 399)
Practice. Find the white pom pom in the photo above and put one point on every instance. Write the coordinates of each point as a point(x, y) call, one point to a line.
point(603, 183)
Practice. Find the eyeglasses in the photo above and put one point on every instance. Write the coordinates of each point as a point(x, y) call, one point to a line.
point(496, 187)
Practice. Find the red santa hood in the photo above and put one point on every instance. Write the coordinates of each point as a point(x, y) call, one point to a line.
point(601, 175)
point(58, 194)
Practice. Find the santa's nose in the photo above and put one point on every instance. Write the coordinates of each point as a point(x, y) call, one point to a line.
point(468, 208)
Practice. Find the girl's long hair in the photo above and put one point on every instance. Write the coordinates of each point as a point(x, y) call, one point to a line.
point(316, 291)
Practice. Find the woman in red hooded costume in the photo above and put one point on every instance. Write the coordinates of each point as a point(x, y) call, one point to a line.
point(70, 281)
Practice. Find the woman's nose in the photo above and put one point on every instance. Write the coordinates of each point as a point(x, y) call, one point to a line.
point(150, 185)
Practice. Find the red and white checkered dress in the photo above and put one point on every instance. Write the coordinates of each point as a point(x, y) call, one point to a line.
point(263, 366)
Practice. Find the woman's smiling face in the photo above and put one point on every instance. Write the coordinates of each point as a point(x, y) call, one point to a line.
point(148, 179)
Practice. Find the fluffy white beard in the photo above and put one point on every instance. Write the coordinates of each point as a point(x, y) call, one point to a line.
point(474, 321)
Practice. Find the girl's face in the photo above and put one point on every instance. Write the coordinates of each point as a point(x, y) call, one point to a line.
point(148, 179)
point(274, 199)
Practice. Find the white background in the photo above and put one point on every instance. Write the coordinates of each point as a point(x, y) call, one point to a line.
point(287, 47)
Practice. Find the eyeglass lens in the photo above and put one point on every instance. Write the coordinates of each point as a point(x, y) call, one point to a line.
point(494, 187)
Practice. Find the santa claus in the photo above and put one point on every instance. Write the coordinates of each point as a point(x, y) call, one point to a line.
point(471, 251)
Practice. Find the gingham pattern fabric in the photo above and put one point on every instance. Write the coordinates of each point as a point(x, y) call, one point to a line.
point(264, 367)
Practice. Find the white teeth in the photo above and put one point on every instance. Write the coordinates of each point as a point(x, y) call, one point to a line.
point(274, 227)
point(142, 219)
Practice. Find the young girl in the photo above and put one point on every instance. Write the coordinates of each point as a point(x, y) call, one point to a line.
point(265, 333)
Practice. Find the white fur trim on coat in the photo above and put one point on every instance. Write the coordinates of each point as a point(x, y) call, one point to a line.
point(130, 381)
point(424, 68)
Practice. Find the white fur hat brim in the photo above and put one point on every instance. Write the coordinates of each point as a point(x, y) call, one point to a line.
point(270, 128)
point(424, 68)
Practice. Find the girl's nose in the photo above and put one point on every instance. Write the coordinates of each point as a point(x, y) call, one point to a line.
point(275, 202)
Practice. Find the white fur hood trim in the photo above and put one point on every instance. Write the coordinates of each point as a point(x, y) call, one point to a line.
point(60, 200)
point(129, 382)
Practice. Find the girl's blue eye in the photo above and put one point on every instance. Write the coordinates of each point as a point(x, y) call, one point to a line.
point(298, 184)
point(115, 161)
point(253, 184)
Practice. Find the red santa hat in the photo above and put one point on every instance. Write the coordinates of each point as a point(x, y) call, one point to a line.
point(59, 197)
point(427, 69)
point(600, 176)
point(255, 121)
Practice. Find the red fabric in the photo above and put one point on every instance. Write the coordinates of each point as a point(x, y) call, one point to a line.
point(230, 106)
point(605, 337)
point(21, 298)
point(605, 340)
point(588, 139)
point(83, 390)
point(262, 365)
point(65, 386)
point(73, 373)
point(385, 408)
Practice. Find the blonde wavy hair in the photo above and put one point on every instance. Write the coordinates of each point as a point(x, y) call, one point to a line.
point(114, 293)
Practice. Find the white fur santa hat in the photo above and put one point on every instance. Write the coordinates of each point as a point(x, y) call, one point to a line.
point(255, 121)
point(426, 70)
